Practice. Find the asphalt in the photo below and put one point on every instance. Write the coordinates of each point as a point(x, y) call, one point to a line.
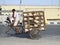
point(51, 36)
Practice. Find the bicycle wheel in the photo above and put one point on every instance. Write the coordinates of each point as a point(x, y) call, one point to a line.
point(34, 34)
point(10, 30)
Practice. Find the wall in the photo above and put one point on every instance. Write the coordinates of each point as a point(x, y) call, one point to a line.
point(51, 12)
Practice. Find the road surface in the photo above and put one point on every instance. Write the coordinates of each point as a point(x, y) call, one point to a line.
point(49, 37)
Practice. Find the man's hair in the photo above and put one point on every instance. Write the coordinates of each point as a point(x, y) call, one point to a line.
point(13, 10)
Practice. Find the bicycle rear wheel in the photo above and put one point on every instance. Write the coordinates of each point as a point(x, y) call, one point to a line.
point(34, 34)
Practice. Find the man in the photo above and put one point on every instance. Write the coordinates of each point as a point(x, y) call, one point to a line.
point(15, 20)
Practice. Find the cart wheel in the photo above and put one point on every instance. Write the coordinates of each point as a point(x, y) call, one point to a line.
point(34, 34)
point(21, 28)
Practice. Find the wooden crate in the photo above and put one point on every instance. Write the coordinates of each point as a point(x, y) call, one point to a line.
point(33, 19)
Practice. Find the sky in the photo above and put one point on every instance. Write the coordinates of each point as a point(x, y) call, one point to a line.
point(30, 2)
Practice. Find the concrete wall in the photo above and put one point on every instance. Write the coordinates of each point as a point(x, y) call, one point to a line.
point(50, 12)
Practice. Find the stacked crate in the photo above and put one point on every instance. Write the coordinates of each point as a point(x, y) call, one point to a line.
point(33, 19)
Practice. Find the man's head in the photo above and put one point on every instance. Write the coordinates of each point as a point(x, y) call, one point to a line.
point(13, 10)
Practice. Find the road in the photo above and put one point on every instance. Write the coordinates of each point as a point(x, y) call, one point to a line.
point(49, 37)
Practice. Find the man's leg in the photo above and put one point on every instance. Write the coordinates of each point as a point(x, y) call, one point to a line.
point(16, 27)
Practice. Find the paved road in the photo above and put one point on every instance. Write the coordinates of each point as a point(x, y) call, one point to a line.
point(49, 37)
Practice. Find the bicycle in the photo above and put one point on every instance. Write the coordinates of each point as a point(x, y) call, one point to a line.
point(11, 29)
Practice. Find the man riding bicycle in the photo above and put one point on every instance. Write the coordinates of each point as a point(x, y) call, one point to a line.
point(14, 20)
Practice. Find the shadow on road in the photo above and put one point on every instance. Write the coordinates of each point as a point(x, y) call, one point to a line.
point(51, 30)
point(11, 33)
